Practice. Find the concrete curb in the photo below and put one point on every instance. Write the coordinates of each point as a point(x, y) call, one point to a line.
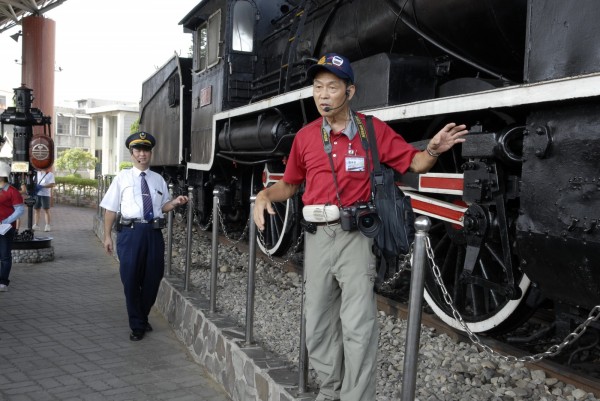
point(217, 342)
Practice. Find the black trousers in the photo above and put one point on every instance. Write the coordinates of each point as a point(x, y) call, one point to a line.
point(141, 251)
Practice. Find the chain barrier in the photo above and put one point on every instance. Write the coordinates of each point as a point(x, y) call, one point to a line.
point(222, 225)
point(288, 255)
point(550, 352)
point(227, 235)
point(205, 227)
point(403, 266)
point(200, 226)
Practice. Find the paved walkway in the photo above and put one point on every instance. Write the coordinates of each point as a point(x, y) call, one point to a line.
point(64, 332)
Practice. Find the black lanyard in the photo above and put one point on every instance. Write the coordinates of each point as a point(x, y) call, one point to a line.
point(328, 148)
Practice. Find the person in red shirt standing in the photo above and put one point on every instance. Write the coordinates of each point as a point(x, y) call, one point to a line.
point(11, 208)
point(327, 155)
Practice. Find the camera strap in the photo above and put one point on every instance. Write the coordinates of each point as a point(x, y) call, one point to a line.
point(377, 173)
point(327, 146)
point(364, 142)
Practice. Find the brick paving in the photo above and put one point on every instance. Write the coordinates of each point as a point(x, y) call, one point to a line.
point(64, 332)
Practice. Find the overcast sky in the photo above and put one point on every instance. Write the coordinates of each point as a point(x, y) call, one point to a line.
point(105, 48)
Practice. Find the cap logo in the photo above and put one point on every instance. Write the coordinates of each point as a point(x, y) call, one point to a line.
point(337, 61)
point(334, 63)
point(142, 135)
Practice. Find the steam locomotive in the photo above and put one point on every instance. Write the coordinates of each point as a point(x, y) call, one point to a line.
point(515, 209)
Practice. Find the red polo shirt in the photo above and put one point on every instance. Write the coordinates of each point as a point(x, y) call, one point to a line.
point(9, 198)
point(309, 162)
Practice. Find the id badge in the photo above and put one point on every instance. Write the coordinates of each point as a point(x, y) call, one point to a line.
point(355, 163)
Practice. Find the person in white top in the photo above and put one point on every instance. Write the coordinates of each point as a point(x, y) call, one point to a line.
point(136, 201)
point(45, 183)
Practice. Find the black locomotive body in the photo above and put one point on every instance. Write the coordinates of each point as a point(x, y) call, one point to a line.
point(515, 209)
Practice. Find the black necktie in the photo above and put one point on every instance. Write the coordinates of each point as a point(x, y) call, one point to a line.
point(146, 198)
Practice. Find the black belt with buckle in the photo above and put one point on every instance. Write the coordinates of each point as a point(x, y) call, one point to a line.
point(311, 227)
point(157, 223)
point(328, 223)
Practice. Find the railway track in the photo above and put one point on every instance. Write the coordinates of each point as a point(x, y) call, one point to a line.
point(397, 309)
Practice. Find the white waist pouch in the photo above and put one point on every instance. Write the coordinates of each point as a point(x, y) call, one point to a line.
point(320, 213)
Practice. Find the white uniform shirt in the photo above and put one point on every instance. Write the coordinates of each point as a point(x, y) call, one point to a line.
point(126, 191)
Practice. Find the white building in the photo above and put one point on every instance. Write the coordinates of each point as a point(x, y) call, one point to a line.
point(97, 126)
point(6, 151)
point(94, 125)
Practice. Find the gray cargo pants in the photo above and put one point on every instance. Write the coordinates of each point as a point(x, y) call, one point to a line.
point(342, 329)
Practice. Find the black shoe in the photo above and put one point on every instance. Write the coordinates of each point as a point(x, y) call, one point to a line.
point(136, 335)
point(148, 327)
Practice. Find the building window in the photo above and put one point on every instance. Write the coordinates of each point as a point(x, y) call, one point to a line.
point(63, 125)
point(207, 39)
point(83, 127)
point(99, 126)
point(242, 37)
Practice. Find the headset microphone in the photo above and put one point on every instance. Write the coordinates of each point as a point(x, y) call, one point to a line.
point(327, 109)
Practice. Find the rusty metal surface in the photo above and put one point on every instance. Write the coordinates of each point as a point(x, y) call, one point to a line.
point(37, 71)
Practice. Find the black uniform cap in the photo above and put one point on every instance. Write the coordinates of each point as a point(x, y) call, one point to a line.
point(140, 140)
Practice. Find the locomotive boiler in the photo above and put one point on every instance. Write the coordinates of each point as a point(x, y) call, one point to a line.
point(515, 208)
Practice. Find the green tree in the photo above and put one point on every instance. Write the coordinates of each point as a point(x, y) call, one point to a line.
point(135, 127)
point(73, 160)
point(124, 165)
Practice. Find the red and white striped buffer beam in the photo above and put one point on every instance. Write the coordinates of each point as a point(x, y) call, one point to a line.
point(414, 185)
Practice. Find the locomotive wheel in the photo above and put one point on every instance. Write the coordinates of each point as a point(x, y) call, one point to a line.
point(277, 235)
point(483, 308)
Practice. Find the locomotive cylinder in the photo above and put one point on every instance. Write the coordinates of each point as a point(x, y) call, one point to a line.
point(263, 133)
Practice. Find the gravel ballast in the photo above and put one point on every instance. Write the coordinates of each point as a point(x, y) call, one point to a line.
point(447, 370)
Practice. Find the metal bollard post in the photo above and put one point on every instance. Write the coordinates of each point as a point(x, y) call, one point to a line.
point(251, 271)
point(415, 303)
point(188, 259)
point(303, 357)
point(215, 253)
point(99, 197)
point(170, 234)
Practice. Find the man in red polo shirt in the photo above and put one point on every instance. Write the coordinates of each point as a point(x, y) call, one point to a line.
point(11, 208)
point(340, 305)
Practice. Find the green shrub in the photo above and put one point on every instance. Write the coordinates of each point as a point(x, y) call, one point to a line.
point(72, 185)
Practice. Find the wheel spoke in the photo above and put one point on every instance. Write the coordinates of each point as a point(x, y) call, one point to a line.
point(495, 302)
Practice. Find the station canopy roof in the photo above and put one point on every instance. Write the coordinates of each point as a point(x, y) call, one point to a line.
point(12, 11)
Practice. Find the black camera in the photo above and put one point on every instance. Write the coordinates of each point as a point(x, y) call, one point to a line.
point(361, 216)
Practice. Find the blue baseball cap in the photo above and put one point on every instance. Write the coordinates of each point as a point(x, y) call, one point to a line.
point(334, 63)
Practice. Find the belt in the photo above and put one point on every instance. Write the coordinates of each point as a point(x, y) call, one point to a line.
point(328, 223)
point(130, 222)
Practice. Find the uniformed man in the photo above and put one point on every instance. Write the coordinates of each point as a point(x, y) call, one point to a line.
point(138, 197)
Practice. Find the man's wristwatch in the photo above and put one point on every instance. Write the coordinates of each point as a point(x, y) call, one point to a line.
point(432, 153)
